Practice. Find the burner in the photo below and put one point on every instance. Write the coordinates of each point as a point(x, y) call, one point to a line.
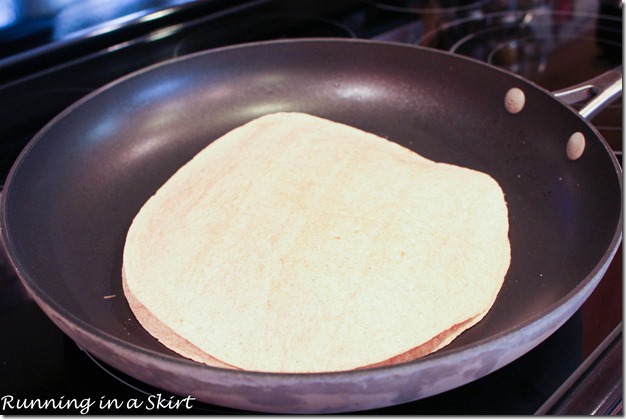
point(90, 17)
point(427, 15)
point(430, 6)
point(523, 42)
point(555, 49)
point(267, 27)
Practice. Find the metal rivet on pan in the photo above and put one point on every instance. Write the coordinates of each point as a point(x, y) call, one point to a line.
point(514, 100)
point(575, 146)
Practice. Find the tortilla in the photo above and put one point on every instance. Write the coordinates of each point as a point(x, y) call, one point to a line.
point(297, 244)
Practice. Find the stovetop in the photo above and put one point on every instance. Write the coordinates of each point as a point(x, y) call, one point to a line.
point(52, 55)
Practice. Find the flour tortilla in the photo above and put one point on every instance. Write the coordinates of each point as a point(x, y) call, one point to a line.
point(297, 244)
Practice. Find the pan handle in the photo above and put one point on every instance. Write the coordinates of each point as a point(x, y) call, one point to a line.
point(598, 92)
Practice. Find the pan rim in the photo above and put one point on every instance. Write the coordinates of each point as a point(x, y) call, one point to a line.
point(591, 279)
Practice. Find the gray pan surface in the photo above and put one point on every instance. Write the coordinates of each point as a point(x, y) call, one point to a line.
point(71, 196)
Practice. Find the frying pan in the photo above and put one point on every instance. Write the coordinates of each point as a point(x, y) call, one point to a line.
point(73, 192)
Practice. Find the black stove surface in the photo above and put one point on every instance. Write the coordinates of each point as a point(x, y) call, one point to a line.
point(46, 64)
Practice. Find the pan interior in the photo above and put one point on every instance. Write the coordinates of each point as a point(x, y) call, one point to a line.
point(70, 200)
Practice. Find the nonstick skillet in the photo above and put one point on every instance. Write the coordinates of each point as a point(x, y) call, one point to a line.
point(73, 192)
